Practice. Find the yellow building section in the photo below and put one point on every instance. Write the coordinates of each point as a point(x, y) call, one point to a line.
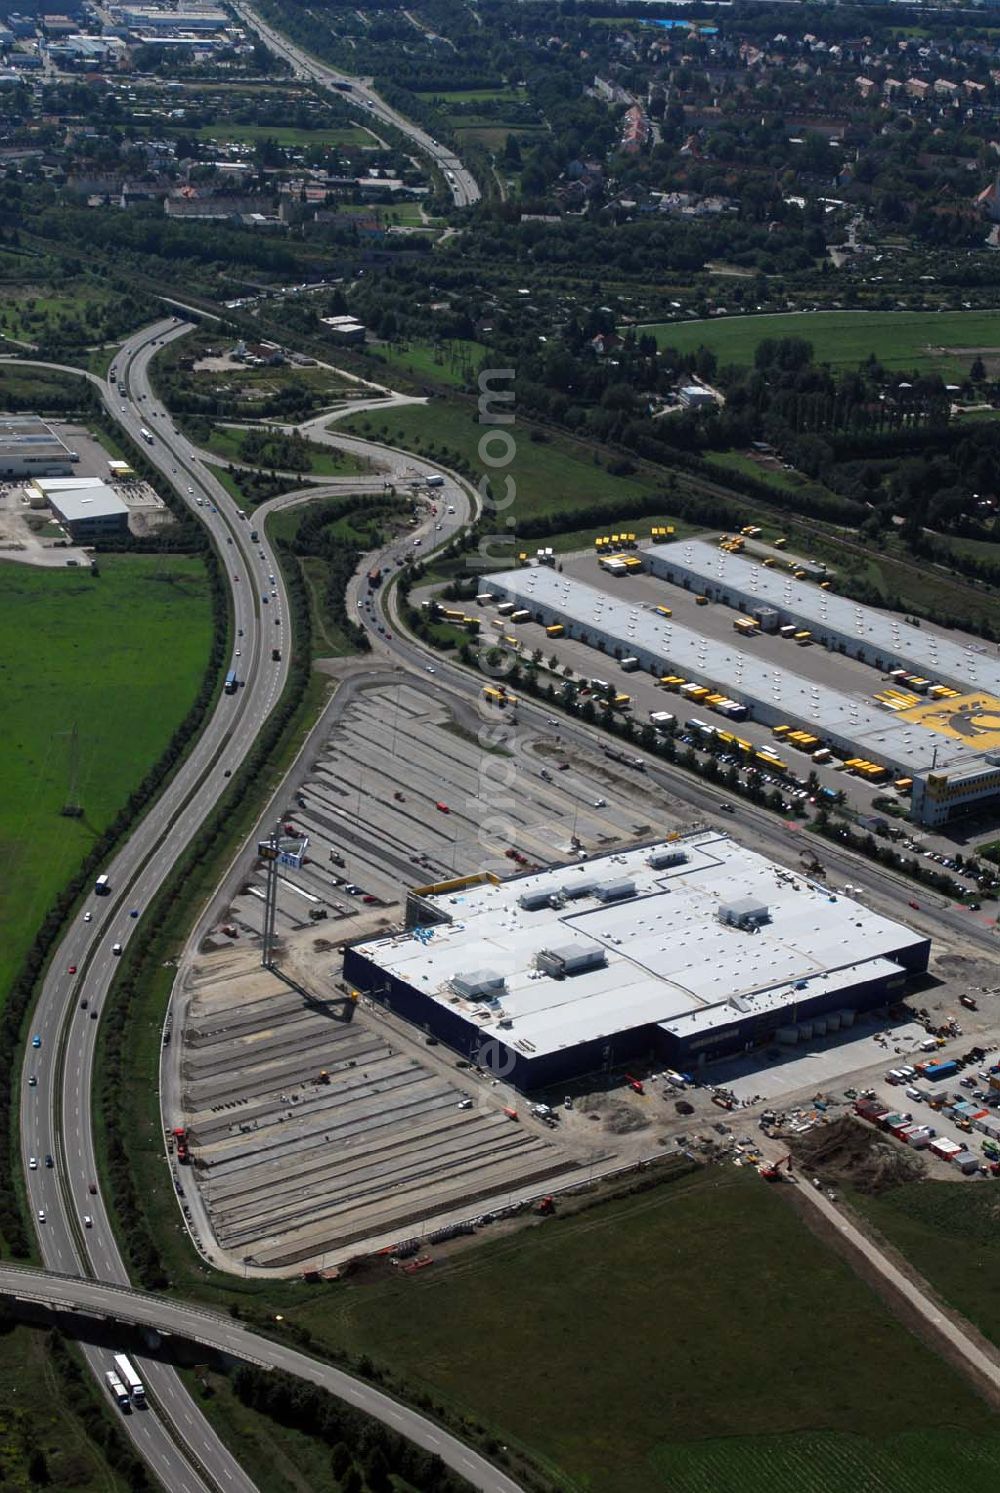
point(974, 719)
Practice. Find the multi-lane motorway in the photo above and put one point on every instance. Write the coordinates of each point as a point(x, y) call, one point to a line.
point(228, 1336)
point(72, 1222)
point(55, 1117)
point(461, 183)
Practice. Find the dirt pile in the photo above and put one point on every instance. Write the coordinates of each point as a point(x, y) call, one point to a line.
point(848, 1152)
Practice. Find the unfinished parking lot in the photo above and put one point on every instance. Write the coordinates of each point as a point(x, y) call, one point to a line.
point(314, 1127)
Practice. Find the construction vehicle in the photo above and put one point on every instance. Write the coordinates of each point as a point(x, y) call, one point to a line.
point(771, 1170)
point(635, 1084)
point(546, 1206)
point(180, 1136)
point(324, 1076)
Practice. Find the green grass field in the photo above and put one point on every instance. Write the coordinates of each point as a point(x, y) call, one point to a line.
point(226, 442)
point(119, 658)
point(455, 362)
point(285, 135)
point(549, 476)
point(948, 1232)
point(900, 339)
point(476, 95)
point(696, 1339)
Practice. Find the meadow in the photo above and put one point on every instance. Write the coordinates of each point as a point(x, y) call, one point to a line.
point(549, 475)
point(696, 1338)
point(948, 1231)
point(118, 660)
point(918, 340)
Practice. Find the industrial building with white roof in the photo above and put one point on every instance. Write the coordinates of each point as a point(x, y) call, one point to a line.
point(680, 952)
point(944, 766)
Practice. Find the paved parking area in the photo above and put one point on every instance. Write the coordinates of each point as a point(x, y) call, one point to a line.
point(401, 795)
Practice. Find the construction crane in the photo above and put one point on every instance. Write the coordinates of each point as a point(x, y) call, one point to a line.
point(771, 1170)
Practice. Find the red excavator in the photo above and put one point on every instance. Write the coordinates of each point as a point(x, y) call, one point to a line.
point(771, 1170)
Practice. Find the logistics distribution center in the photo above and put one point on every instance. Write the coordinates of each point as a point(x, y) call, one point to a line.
point(950, 748)
point(678, 952)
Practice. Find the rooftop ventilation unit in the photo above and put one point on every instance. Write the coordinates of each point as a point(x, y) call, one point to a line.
point(666, 856)
point(744, 912)
point(577, 889)
point(615, 891)
point(537, 897)
point(479, 984)
point(571, 959)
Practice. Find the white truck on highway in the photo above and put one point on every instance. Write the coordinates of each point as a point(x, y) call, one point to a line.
point(130, 1379)
point(117, 1389)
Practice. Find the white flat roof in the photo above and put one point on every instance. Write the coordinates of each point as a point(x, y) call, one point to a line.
point(744, 676)
point(973, 665)
point(50, 485)
point(668, 958)
point(88, 502)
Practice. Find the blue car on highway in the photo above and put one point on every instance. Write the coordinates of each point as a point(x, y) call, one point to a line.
point(36, 1040)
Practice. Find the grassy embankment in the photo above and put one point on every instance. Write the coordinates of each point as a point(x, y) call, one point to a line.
point(117, 658)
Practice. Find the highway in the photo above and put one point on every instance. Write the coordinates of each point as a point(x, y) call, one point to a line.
point(462, 184)
point(55, 1115)
point(224, 1333)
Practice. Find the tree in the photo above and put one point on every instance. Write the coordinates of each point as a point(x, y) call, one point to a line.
point(340, 1460)
point(977, 373)
point(377, 1471)
point(352, 1481)
point(38, 1468)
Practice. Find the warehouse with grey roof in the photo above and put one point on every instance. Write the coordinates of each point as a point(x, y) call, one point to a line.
point(946, 768)
point(676, 952)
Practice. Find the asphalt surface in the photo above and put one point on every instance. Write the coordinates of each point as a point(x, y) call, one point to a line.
point(461, 183)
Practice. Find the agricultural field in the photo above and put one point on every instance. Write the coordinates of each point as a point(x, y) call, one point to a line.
point(550, 475)
point(948, 1233)
point(942, 342)
point(696, 1338)
point(85, 655)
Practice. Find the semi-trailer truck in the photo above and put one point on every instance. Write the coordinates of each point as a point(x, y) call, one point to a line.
point(130, 1379)
point(117, 1389)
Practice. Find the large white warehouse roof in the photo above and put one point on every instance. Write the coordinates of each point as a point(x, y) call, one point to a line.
point(659, 955)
